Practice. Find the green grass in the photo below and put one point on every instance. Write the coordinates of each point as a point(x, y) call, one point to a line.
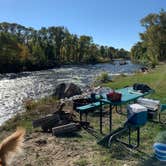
point(32, 104)
point(34, 110)
point(103, 78)
point(81, 162)
point(155, 79)
point(117, 155)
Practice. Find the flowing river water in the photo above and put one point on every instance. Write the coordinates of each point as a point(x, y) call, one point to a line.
point(16, 88)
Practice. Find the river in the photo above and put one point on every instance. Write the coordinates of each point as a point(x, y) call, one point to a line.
point(15, 88)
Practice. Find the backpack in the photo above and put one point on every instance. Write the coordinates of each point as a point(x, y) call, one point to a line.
point(142, 87)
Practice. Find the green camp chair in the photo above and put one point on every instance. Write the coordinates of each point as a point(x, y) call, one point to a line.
point(162, 109)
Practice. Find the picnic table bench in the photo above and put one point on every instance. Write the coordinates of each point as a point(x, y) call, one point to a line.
point(86, 108)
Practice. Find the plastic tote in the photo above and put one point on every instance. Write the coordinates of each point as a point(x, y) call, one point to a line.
point(149, 103)
point(160, 151)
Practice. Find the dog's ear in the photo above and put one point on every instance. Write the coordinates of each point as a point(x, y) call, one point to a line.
point(11, 145)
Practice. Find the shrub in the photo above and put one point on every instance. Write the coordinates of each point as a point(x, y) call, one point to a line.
point(81, 162)
point(103, 78)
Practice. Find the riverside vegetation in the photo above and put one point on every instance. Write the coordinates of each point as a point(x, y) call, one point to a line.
point(152, 47)
point(23, 48)
point(73, 150)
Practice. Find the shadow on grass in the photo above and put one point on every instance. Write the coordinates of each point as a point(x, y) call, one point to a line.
point(96, 113)
point(93, 132)
point(69, 135)
point(152, 161)
point(122, 153)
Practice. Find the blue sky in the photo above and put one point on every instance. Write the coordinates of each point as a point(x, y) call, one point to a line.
point(110, 22)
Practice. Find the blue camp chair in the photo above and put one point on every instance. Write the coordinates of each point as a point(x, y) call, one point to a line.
point(162, 109)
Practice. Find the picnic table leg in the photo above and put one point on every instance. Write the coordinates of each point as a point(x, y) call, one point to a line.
point(86, 116)
point(129, 136)
point(101, 117)
point(80, 116)
point(110, 116)
point(138, 137)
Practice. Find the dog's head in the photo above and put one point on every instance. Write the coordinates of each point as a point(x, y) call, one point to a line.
point(1, 164)
point(11, 146)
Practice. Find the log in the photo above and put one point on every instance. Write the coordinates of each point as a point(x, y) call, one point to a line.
point(68, 128)
point(48, 120)
point(53, 120)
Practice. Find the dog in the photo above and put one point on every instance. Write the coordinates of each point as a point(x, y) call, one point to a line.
point(11, 146)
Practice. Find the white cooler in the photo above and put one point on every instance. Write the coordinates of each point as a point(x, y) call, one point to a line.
point(149, 103)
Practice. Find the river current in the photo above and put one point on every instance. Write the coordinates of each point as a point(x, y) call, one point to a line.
point(16, 88)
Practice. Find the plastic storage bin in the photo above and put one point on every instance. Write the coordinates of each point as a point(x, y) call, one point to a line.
point(137, 114)
point(160, 151)
point(149, 103)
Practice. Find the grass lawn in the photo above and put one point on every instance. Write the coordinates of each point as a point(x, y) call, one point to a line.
point(155, 79)
point(89, 152)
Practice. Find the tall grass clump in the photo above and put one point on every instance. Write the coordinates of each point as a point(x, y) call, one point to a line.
point(103, 78)
point(161, 137)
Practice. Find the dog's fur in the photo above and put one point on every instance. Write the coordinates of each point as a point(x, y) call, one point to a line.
point(11, 146)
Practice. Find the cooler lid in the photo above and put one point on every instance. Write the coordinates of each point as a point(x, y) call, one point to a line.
point(136, 108)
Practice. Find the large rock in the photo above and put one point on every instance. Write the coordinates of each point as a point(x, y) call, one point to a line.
point(66, 90)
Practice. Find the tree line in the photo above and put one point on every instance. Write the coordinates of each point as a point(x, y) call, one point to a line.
point(152, 47)
point(23, 48)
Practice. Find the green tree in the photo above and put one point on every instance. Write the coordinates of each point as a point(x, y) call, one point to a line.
point(153, 42)
point(24, 48)
point(12, 53)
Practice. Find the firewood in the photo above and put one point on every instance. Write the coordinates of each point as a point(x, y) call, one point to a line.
point(68, 128)
point(48, 120)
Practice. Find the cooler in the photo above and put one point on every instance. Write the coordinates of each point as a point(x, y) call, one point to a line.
point(137, 114)
point(149, 103)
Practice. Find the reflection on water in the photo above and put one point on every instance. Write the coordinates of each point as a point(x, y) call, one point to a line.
point(15, 88)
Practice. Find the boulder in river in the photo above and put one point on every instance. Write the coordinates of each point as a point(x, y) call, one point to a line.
point(66, 90)
point(122, 63)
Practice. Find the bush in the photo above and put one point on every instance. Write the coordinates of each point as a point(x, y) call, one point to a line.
point(32, 104)
point(103, 78)
point(81, 162)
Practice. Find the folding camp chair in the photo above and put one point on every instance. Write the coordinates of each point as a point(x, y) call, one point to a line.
point(121, 132)
point(162, 109)
point(137, 117)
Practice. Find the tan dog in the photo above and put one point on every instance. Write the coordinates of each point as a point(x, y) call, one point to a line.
point(11, 146)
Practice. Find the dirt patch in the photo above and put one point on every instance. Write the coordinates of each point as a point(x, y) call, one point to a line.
point(47, 150)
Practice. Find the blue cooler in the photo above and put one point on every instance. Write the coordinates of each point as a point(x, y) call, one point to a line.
point(137, 114)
